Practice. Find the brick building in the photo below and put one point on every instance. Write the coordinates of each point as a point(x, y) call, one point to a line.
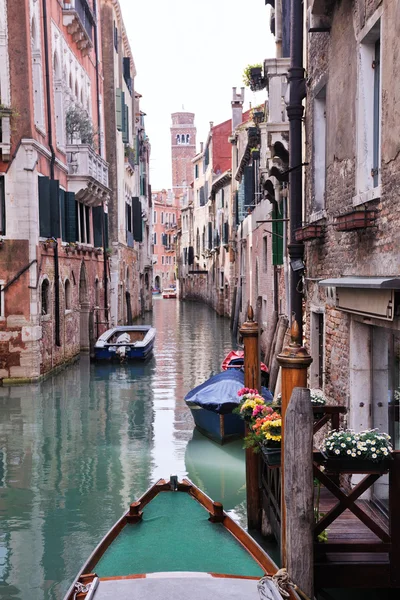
point(352, 189)
point(56, 185)
point(166, 214)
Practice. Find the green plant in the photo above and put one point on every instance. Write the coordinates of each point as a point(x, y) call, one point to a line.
point(78, 124)
point(247, 73)
point(369, 444)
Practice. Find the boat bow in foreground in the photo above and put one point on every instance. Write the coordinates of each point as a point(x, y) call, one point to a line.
point(176, 542)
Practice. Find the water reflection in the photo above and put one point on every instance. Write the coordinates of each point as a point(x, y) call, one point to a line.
point(77, 448)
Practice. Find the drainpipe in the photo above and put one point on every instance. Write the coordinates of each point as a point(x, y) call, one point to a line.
point(96, 51)
point(52, 162)
point(295, 115)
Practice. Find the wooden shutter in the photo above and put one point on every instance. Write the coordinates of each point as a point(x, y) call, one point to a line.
point(137, 220)
point(55, 207)
point(44, 207)
point(62, 216)
point(277, 238)
point(71, 233)
point(125, 130)
point(226, 232)
point(2, 207)
point(249, 186)
point(118, 108)
point(97, 216)
point(191, 255)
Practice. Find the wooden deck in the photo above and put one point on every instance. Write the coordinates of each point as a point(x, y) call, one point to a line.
point(363, 546)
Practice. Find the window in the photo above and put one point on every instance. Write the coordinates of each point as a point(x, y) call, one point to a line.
point(162, 218)
point(154, 217)
point(67, 295)
point(83, 218)
point(45, 296)
point(369, 110)
point(38, 95)
point(2, 207)
point(265, 253)
point(163, 260)
point(319, 135)
point(115, 37)
point(155, 239)
point(317, 350)
point(196, 171)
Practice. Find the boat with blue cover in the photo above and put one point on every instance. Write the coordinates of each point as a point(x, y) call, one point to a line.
point(212, 403)
point(175, 542)
point(126, 343)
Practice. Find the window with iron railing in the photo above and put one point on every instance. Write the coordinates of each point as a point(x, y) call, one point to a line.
point(85, 15)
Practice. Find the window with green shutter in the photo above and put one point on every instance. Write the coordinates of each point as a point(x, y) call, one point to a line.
point(137, 220)
point(71, 229)
point(2, 207)
point(119, 107)
point(125, 129)
point(49, 207)
point(277, 237)
point(97, 216)
point(62, 216)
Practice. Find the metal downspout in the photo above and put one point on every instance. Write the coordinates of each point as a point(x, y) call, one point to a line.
point(295, 115)
point(52, 162)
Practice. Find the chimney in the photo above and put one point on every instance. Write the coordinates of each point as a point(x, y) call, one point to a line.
point(237, 107)
point(201, 146)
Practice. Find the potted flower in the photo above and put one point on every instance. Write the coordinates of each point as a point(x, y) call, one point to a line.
point(250, 400)
point(267, 432)
point(366, 449)
point(317, 399)
point(253, 77)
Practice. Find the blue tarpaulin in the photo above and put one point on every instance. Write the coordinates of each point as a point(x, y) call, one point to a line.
point(219, 393)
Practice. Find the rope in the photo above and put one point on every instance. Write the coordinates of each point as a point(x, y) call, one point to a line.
point(282, 582)
point(80, 588)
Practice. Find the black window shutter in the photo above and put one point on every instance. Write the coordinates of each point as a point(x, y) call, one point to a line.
point(137, 220)
point(191, 255)
point(226, 232)
point(249, 186)
point(97, 214)
point(106, 230)
point(127, 68)
point(44, 207)
point(55, 207)
point(2, 207)
point(62, 216)
point(71, 233)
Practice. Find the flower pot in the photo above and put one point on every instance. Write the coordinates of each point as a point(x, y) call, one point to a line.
point(272, 456)
point(309, 232)
point(355, 465)
point(356, 219)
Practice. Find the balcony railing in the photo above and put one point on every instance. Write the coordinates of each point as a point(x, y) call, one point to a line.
point(130, 157)
point(83, 161)
point(78, 18)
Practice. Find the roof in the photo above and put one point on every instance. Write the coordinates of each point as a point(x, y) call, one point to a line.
point(378, 283)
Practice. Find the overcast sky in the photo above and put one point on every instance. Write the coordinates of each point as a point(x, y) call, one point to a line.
point(190, 54)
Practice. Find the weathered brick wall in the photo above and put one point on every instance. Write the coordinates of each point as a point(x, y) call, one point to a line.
point(370, 251)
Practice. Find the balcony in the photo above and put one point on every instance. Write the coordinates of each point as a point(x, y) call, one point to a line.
point(87, 174)
point(171, 226)
point(5, 133)
point(130, 157)
point(79, 20)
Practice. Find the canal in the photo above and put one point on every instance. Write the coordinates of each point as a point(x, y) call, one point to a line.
point(76, 449)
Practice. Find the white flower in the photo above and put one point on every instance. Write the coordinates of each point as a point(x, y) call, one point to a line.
point(374, 456)
point(343, 445)
point(337, 451)
point(353, 454)
point(348, 439)
point(348, 451)
point(358, 452)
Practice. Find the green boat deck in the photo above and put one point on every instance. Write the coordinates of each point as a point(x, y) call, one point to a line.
point(175, 535)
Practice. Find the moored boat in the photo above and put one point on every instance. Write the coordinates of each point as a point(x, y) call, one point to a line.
point(176, 542)
point(125, 343)
point(212, 403)
point(235, 360)
point(169, 293)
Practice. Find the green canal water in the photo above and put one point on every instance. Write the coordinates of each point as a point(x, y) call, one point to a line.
point(76, 449)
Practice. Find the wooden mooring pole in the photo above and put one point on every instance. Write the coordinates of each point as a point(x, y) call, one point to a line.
point(252, 379)
point(294, 360)
point(299, 491)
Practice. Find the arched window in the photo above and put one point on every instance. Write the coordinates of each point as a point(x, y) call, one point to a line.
point(45, 295)
point(38, 95)
point(198, 242)
point(203, 240)
point(67, 295)
point(187, 138)
point(70, 82)
point(58, 101)
point(76, 90)
point(178, 139)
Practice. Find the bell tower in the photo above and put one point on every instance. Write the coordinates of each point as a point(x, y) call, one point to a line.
point(183, 149)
